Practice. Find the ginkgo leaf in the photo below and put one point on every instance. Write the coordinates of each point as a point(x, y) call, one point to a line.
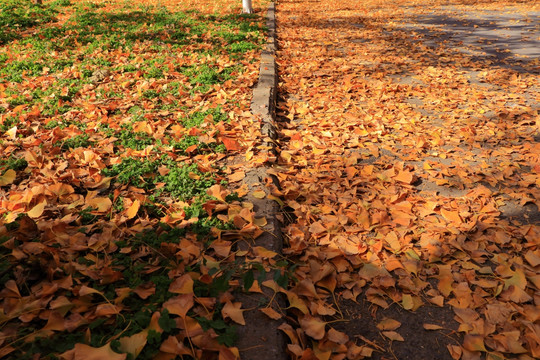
point(132, 211)
point(133, 344)
point(231, 144)
point(271, 313)
point(388, 324)
point(37, 210)
point(313, 326)
point(237, 176)
point(234, 312)
point(392, 335)
point(8, 177)
point(337, 336)
point(86, 352)
point(182, 285)
point(101, 204)
point(432, 327)
point(259, 194)
point(474, 342)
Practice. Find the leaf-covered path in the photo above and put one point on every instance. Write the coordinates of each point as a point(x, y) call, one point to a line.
point(410, 172)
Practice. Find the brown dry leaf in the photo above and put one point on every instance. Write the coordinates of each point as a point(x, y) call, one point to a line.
point(179, 305)
point(337, 336)
point(271, 313)
point(432, 327)
point(313, 326)
point(182, 285)
point(171, 345)
point(133, 344)
point(474, 343)
point(388, 324)
point(101, 204)
point(392, 335)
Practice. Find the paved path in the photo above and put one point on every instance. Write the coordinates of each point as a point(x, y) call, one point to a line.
point(410, 163)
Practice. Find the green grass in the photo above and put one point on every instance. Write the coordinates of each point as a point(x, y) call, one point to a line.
point(17, 15)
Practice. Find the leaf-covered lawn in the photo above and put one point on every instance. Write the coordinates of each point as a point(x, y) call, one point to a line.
point(117, 216)
point(410, 169)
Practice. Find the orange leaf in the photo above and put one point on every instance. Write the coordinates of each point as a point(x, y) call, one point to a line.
point(133, 209)
point(406, 177)
point(451, 216)
point(231, 144)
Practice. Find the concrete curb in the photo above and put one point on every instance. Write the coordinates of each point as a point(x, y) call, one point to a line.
point(260, 338)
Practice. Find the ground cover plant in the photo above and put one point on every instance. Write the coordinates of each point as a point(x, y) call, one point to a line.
point(117, 215)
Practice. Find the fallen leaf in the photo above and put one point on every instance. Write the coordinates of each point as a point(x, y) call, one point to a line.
point(271, 313)
point(392, 335)
point(234, 312)
point(313, 326)
point(8, 177)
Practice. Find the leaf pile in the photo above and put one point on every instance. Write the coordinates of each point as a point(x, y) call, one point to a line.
point(410, 166)
point(117, 217)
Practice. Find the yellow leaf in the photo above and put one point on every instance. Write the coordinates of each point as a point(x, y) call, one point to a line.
point(133, 209)
point(407, 302)
point(12, 133)
point(37, 210)
point(259, 194)
point(296, 302)
point(234, 312)
point(8, 177)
